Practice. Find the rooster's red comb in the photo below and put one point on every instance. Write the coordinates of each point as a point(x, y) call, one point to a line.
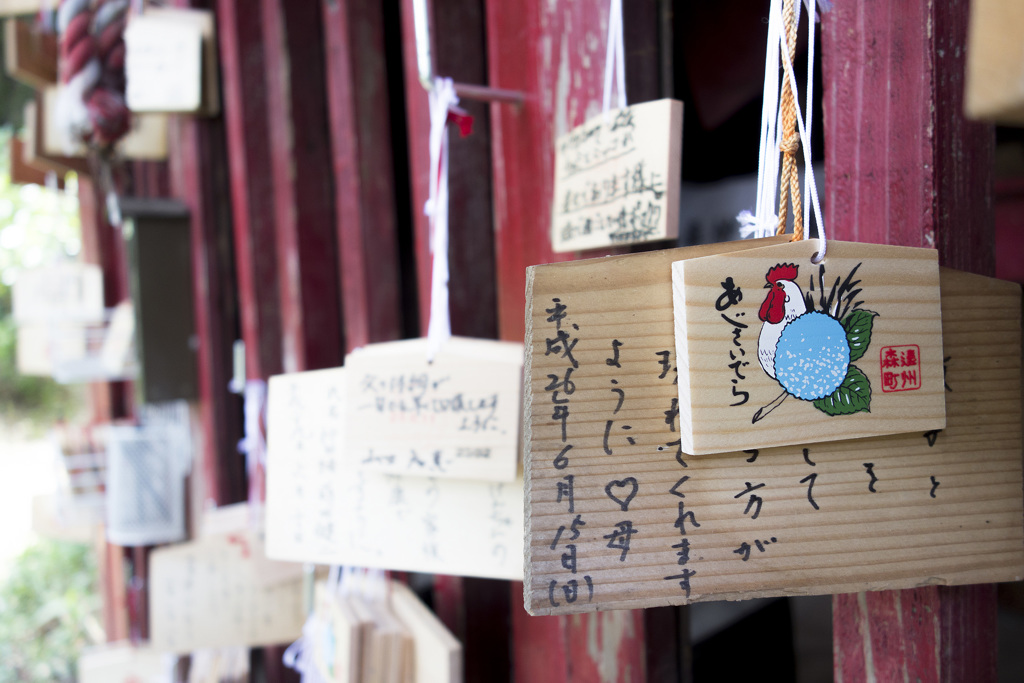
point(783, 271)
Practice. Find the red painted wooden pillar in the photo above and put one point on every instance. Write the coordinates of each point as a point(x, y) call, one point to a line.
point(198, 177)
point(364, 179)
point(301, 175)
point(904, 167)
point(245, 112)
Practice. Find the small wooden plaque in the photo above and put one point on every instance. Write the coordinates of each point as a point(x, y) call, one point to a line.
point(994, 88)
point(206, 594)
point(457, 417)
point(437, 653)
point(646, 525)
point(775, 350)
point(617, 178)
point(171, 62)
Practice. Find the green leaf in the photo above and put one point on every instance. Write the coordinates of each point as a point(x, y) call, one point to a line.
point(858, 332)
point(852, 396)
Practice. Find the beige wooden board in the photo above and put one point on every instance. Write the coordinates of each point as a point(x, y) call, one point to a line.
point(29, 54)
point(617, 178)
point(994, 87)
point(438, 654)
point(336, 637)
point(322, 508)
point(868, 345)
point(122, 662)
point(145, 141)
point(242, 523)
point(206, 594)
point(48, 523)
point(67, 292)
point(175, 49)
point(35, 154)
point(456, 417)
point(164, 62)
point(850, 539)
point(12, 8)
point(387, 647)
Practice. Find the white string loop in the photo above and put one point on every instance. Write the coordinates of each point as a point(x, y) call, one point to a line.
point(763, 222)
point(615, 59)
point(442, 99)
point(810, 185)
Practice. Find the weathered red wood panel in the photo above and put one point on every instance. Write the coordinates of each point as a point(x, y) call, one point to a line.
point(360, 120)
point(245, 112)
point(99, 248)
point(904, 167)
point(301, 175)
point(199, 177)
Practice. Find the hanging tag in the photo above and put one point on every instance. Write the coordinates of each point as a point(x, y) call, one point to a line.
point(171, 62)
point(457, 417)
point(776, 350)
point(617, 178)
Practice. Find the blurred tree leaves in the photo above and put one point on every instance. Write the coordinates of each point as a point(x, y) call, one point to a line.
point(50, 610)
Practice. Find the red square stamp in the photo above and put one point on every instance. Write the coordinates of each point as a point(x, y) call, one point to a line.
point(901, 368)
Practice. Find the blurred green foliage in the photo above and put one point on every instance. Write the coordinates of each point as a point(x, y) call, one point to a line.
point(49, 611)
point(38, 226)
point(36, 402)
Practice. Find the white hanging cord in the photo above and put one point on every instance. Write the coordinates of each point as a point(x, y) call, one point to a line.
point(254, 408)
point(442, 99)
point(763, 222)
point(810, 185)
point(615, 59)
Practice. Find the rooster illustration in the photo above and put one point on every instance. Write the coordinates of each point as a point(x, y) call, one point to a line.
point(810, 352)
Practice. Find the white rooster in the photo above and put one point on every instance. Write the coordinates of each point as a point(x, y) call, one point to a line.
point(810, 352)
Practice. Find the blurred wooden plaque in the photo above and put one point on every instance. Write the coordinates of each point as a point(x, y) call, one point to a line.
point(321, 507)
point(207, 594)
point(994, 89)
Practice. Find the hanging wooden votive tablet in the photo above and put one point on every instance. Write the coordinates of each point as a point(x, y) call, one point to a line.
point(775, 349)
point(619, 517)
point(617, 178)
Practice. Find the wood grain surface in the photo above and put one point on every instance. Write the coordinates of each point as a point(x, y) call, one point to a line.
point(934, 508)
point(888, 297)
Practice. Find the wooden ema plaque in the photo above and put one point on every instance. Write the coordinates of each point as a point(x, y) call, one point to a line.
point(617, 178)
point(618, 517)
point(209, 594)
point(775, 350)
point(322, 508)
point(994, 88)
point(455, 417)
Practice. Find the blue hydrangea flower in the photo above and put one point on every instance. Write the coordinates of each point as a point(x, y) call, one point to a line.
point(812, 356)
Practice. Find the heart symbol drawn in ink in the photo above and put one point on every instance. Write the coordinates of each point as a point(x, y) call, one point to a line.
point(628, 482)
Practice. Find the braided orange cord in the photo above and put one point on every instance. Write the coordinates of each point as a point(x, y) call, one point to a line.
point(789, 182)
